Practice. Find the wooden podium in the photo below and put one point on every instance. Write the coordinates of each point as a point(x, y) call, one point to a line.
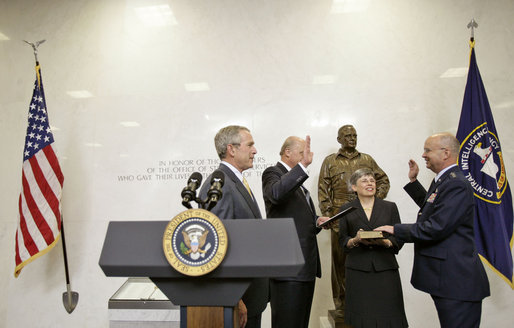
point(256, 249)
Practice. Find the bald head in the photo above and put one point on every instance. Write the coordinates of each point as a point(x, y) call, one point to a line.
point(441, 150)
point(289, 142)
point(448, 141)
point(292, 150)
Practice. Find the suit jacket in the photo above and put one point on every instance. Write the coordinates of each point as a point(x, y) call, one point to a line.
point(369, 258)
point(236, 203)
point(446, 263)
point(284, 198)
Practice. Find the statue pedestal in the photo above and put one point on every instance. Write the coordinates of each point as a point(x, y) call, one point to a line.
point(337, 321)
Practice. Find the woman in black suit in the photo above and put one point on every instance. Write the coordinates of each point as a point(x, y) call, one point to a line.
point(373, 288)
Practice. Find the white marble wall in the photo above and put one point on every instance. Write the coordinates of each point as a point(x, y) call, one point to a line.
point(280, 67)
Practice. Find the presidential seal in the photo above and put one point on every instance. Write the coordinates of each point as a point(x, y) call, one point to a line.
point(481, 161)
point(195, 242)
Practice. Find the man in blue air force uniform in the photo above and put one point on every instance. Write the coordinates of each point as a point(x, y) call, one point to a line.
point(446, 263)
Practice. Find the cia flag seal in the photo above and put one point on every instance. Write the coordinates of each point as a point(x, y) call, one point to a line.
point(481, 161)
point(195, 242)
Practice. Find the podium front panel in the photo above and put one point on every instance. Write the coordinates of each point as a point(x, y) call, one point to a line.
point(256, 248)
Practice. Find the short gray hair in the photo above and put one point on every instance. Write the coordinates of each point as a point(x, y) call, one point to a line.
point(226, 136)
point(448, 141)
point(359, 174)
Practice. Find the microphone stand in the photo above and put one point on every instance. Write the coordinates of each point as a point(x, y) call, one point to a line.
point(206, 204)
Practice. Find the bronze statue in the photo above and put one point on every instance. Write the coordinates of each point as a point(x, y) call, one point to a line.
point(334, 190)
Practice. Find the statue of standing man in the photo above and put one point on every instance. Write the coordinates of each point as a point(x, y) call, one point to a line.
point(334, 190)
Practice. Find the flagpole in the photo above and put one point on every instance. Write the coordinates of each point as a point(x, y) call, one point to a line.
point(69, 297)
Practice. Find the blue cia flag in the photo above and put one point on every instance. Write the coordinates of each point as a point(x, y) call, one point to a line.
point(481, 161)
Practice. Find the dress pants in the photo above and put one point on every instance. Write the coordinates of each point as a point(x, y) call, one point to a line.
point(291, 303)
point(254, 322)
point(455, 313)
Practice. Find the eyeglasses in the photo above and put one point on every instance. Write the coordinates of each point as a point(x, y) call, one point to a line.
point(427, 150)
point(367, 180)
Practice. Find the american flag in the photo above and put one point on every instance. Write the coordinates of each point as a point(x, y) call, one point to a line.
point(39, 224)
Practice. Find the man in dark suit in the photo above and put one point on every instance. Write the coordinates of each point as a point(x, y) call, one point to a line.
point(446, 263)
point(284, 196)
point(235, 147)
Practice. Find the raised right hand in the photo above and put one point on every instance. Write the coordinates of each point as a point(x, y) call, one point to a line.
point(413, 170)
point(307, 154)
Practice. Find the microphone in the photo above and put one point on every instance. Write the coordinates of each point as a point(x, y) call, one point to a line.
point(189, 192)
point(214, 193)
